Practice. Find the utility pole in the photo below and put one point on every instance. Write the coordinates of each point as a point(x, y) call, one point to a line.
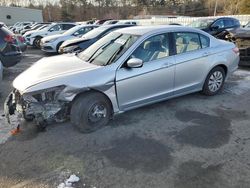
point(215, 7)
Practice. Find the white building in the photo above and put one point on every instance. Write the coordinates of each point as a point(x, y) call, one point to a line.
point(11, 15)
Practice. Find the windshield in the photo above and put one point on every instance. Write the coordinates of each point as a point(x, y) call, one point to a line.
point(72, 30)
point(94, 33)
point(35, 26)
point(48, 27)
point(201, 24)
point(42, 27)
point(108, 49)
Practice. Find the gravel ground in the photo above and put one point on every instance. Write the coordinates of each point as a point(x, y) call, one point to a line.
point(192, 141)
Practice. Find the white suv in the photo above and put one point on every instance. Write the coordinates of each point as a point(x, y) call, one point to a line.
point(34, 38)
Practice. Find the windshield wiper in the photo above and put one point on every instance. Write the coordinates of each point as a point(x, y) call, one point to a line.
point(102, 48)
point(117, 52)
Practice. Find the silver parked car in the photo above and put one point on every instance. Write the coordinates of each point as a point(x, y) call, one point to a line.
point(52, 43)
point(126, 69)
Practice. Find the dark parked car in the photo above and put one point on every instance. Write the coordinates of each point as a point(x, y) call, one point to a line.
point(241, 37)
point(216, 26)
point(88, 39)
point(10, 53)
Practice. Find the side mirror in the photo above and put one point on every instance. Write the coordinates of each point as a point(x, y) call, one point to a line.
point(135, 63)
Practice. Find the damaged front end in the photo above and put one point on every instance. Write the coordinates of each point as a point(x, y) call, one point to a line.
point(241, 37)
point(43, 106)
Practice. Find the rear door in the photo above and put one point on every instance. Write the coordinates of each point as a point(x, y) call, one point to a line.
point(192, 57)
point(153, 81)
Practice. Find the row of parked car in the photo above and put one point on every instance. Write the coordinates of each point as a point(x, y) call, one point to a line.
point(72, 37)
point(50, 36)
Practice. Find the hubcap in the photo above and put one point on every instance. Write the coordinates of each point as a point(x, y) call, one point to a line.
point(97, 112)
point(215, 81)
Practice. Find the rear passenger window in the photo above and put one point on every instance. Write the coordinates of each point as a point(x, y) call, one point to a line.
point(228, 23)
point(219, 24)
point(186, 42)
point(204, 41)
point(154, 48)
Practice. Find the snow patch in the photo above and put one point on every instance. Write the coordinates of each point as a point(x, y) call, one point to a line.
point(69, 182)
point(238, 86)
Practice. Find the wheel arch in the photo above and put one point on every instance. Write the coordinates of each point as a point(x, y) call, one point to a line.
point(222, 66)
point(38, 36)
point(225, 68)
point(91, 90)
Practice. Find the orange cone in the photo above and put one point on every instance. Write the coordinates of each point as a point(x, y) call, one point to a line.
point(16, 130)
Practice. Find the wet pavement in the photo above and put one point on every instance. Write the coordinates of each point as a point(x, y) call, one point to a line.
point(192, 141)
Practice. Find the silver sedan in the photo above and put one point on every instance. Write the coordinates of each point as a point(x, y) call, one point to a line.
point(126, 69)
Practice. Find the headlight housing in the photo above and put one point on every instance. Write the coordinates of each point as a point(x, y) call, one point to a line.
point(44, 96)
point(68, 49)
point(52, 40)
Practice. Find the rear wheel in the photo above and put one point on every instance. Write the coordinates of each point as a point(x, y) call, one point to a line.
point(28, 118)
point(214, 81)
point(90, 112)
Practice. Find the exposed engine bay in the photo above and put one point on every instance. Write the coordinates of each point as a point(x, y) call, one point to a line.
point(43, 107)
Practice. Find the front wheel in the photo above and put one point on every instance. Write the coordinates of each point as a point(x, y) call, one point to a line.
point(37, 41)
point(214, 81)
point(90, 112)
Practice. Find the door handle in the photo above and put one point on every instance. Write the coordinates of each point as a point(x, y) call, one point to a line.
point(165, 65)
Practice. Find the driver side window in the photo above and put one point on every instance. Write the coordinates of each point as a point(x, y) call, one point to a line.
point(153, 48)
point(56, 28)
point(219, 23)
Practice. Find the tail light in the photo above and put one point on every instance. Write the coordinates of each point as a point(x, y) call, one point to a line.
point(236, 50)
point(10, 38)
point(21, 39)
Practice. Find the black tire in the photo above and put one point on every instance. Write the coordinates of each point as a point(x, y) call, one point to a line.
point(36, 42)
point(83, 111)
point(58, 46)
point(208, 87)
point(28, 118)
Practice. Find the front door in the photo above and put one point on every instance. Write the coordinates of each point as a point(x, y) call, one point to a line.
point(153, 81)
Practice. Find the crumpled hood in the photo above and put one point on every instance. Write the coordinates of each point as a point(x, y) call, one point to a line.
point(73, 41)
point(50, 68)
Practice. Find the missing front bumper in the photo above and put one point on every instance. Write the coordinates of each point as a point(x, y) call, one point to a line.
point(42, 113)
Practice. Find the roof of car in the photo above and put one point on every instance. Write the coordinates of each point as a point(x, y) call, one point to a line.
point(141, 30)
point(216, 18)
point(115, 25)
